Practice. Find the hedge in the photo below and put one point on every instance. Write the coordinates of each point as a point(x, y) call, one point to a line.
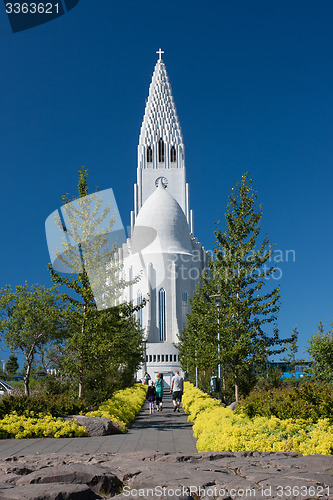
point(220, 429)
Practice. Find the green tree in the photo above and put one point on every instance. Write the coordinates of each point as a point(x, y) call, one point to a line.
point(31, 317)
point(321, 351)
point(291, 357)
point(113, 352)
point(12, 365)
point(239, 275)
point(240, 271)
point(50, 355)
point(96, 278)
point(197, 345)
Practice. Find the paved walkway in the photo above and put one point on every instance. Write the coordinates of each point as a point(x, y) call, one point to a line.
point(164, 431)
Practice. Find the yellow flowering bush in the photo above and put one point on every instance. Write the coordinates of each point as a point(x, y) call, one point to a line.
point(196, 401)
point(22, 426)
point(123, 406)
point(220, 429)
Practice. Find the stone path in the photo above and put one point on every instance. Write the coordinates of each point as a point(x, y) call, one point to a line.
point(164, 431)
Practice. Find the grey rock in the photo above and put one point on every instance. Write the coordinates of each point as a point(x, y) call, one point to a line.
point(96, 426)
point(44, 492)
point(236, 475)
point(233, 406)
point(96, 477)
point(8, 478)
point(15, 468)
point(321, 462)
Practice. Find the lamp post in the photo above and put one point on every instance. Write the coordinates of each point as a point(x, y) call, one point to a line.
point(217, 299)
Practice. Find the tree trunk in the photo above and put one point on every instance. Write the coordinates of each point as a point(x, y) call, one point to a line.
point(224, 385)
point(236, 386)
point(27, 379)
point(80, 383)
point(81, 361)
point(80, 389)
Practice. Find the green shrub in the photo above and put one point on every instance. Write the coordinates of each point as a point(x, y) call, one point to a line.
point(247, 381)
point(51, 385)
point(311, 400)
point(57, 405)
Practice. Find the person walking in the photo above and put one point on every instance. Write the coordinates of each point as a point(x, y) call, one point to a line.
point(151, 396)
point(146, 378)
point(159, 391)
point(177, 389)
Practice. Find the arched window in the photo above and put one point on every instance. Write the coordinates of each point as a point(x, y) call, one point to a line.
point(138, 302)
point(173, 154)
point(149, 155)
point(161, 315)
point(184, 305)
point(160, 150)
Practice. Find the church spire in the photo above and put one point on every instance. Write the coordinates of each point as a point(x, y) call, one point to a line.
point(160, 119)
point(161, 155)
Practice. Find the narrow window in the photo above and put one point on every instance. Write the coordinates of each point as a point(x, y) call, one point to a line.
point(173, 154)
point(160, 150)
point(146, 358)
point(149, 155)
point(161, 308)
point(138, 302)
point(167, 358)
point(154, 358)
point(162, 358)
point(158, 358)
point(175, 357)
point(150, 358)
point(184, 305)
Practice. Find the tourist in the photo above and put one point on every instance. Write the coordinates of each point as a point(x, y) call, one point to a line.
point(151, 396)
point(177, 389)
point(159, 391)
point(146, 378)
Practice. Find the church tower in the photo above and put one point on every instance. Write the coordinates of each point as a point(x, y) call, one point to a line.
point(161, 152)
point(162, 258)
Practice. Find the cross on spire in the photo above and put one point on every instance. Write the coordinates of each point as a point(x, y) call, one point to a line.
point(160, 52)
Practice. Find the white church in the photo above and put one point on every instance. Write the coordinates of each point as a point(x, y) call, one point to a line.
point(162, 249)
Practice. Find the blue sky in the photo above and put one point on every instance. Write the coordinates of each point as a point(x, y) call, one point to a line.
point(252, 82)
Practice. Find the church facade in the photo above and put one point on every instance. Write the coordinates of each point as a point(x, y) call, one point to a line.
point(162, 259)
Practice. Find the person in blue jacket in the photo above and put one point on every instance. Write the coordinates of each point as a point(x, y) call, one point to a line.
point(159, 391)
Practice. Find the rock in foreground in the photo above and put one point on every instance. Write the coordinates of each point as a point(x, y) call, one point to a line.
point(149, 475)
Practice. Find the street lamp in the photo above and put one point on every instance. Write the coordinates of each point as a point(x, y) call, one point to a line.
point(217, 300)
